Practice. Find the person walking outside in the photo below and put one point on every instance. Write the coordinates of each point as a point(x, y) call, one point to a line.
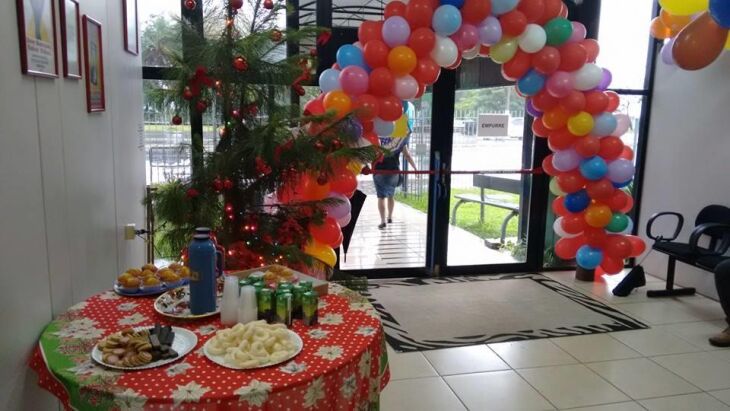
point(386, 183)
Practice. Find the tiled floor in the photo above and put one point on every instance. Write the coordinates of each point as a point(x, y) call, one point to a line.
point(667, 367)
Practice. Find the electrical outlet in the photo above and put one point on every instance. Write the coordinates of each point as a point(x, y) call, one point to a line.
point(129, 231)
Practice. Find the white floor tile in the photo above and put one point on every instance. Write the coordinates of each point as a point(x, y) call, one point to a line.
point(499, 390)
point(640, 378)
point(423, 394)
point(621, 406)
point(696, 333)
point(676, 311)
point(596, 347)
point(409, 365)
point(463, 360)
point(532, 353)
point(570, 386)
point(654, 342)
point(708, 370)
point(723, 395)
point(703, 402)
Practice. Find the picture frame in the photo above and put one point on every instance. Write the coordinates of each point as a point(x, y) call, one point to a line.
point(131, 27)
point(37, 36)
point(70, 38)
point(94, 65)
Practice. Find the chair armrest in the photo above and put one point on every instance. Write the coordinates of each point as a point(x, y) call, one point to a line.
point(677, 229)
point(701, 230)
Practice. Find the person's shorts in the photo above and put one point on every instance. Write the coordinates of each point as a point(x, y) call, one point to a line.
point(385, 184)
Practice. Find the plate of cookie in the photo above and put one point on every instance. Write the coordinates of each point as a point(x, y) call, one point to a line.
point(141, 348)
point(253, 345)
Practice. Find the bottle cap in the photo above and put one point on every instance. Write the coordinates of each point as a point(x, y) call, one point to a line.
point(202, 230)
point(201, 237)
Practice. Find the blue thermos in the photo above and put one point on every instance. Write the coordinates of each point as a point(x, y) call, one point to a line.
point(202, 257)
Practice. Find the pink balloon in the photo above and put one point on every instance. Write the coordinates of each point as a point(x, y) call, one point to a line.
point(354, 80)
point(579, 32)
point(623, 122)
point(466, 37)
point(406, 87)
point(560, 84)
point(343, 221)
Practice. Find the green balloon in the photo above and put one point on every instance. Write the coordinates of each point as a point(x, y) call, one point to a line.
point(558, 31)
point(618, 223)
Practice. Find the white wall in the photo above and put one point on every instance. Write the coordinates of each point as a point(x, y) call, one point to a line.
point(688, 157)
point(69, 182)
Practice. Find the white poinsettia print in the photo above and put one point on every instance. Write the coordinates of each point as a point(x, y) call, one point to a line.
point(364, 364)
point(190, 392)
point(374, 389)
point(373, 313)
point(318, 334)
point(83, 328)
point(128, 400)
point(314, 393)
point(349, 385)
point(177, 369)
point(293, 367)
point(133, 319)
point(364, 405)
point(331, 352)
point(127, 306)
point(322, 304)
point(331, 319)
point(255, 393)
point(360, 306)
point(78, 306)
point(109, 295)
point(90, 368)
point(366, 331)
point(206, 329)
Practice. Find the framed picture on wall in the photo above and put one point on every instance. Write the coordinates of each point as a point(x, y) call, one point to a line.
point(37, 34)
point(93, 65)
point(70, 38)
point(131, 42)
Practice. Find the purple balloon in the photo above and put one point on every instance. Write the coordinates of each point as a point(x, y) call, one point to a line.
point(345, 220)
point(605, 80)
point(490, 31)
point(531, 110)
point(339, 209)
point(396, 31)
point(560, 84)
point(621, 170)
point(354, 80)
point(566, 160)
point(579, 32)
point(667, 56)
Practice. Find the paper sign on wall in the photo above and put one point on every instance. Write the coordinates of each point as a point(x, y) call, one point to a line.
point(493, 125)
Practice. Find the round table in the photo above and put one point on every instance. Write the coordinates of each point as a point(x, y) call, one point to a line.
point(343, 365)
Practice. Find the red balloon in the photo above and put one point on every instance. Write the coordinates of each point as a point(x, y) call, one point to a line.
point(638, 245)
point(566, 248)
point(573, 102)
point(391, 108)
point(543, 101)
point(426, 71)
point(376, 53)
point(532, 9)
point(558, 207)
point(381, 82)
point(600, 190)
point(574, 223)
point(366, 107)
point(596, 102)
point(627, 153)
point(592, 48)
point(595, 237)
point(572, 56)
point(561, 139)
point(613, 101)
point(517, 67)
point(369, 30)
point(310, 190)
point(484, 50)
point(618, 247)
point(547, 60)
point(618, 200)
point(371, 137)
point(474, 11)
point(421, 90)
point(343, 182)
point(368, 126)
point(556, 118)
point(314, 107)
point(419, 13)
point(547, 166)
point(612, 265)
point(457, 63)
point(629, 204)
point(328, 232)
point(422, 41)
point(552, 10)
point(563, 11)
point(571, 181)
point(394, 8)
point(539, 129)
point(587, 146)
point(513, 23)
point(611, 148)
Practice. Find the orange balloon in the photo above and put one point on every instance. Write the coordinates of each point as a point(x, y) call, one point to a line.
point(556, 118)
point(659, 30)
point(700, 43)
point(402, 60)
point(674, 23)
point(338, 101)
point(598, 215)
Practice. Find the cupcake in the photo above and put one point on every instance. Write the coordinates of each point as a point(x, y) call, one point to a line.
point(134, 272)
point(150, 267)
point(128, 283)
point(170, 278)
point(175, 266)
point(151, 284)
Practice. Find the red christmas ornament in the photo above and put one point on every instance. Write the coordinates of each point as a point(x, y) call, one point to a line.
point(200, 72)
point(252, 109)
point(187, 93)
point(276, 35)
point(268, 4)
point(236, 4)
point(217, 184)
point(324, 37)
point(192, 193)
point(201, 106)
point(336, 144)
point(313, 52)
point(240, 63)
point(261, 167)
point(236, 113)
point(229, 208)
point(176, 120)
point(322, 179)
point(366, 171)
point(319, 145)
point(190, 4)
point(227, 184)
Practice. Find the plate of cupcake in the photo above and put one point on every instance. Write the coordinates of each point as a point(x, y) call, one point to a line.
point(149, 280)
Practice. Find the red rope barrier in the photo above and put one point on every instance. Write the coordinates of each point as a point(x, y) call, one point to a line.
point(530, 171)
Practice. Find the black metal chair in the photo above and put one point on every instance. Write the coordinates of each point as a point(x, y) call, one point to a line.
point(713, 222)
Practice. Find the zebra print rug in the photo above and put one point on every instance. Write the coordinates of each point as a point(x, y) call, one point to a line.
point(425, 314)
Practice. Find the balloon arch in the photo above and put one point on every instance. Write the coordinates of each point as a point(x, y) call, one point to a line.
point(553, 65)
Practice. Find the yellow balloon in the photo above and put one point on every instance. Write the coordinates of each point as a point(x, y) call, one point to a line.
point(503, 51)
point(355, 166)
point(684, 7)
point(321, 252)
point(555, 188)
point(401, 127)
point(727, 44)
point(580, 124)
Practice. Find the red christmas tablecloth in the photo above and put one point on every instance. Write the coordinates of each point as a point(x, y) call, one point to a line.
point(343, 364)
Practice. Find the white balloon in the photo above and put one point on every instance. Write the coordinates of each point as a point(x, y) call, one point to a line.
point(623, 123)
point(533, 39)
point(445, 52)
point(558, 228)
point(588, 77)
point(406, 87)
point(471, 53)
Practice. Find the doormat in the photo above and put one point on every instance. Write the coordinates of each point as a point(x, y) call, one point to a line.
point(425, 314)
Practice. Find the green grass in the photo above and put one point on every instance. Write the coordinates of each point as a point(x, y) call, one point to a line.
point(171, 128)
point(467, 217)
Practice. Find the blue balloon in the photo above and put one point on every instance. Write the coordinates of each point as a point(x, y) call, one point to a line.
point(604, 124)
point(594, 168)
point(622, 185)
point(503, 6)
point(455, 3)
point(349, 55)
point(720, 12)
point(531, 83)
point(577, 202)
point(446, 20)
point(329, 80)
point(589, 257)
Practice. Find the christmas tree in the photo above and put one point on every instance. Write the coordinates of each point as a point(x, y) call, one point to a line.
point(276, 187)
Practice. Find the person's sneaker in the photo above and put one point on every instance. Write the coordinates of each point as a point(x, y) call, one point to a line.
point(390, 221)
point(722, 339)
point(381, 226)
